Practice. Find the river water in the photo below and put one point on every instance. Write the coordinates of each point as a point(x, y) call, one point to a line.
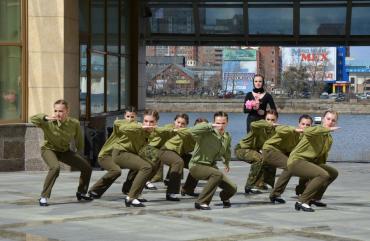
point(351, 142)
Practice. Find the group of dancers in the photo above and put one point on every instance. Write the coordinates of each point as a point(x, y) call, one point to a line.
point(143, 147)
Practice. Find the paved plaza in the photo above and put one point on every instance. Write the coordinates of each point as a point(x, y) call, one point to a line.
point(252, 217)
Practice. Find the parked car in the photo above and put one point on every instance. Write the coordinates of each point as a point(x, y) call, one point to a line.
point(324, 95)
point(361, 96)
point(333, 96)
point(305, 95)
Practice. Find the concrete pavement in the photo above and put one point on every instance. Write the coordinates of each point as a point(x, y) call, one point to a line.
point(252, 217)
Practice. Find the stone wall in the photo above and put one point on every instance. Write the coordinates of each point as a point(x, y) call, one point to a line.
point(236, 105)
point(20, 148)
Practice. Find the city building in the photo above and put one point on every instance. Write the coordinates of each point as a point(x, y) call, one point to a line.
point(269, 65)
point(173, 79)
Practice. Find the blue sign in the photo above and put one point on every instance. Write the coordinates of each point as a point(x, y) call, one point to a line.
point(238, 75)
point(357, 69)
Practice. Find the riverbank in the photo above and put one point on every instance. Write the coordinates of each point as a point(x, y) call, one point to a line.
point(285, 105)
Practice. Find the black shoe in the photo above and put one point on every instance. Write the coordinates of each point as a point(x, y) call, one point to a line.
point(249, 190)
point(82, 196)
point(317, 203)
point(93, 195)
point(278, 200)
point(129, 203)
point(298, 206)
point(142, 200)
point(201, 206)
point(43, 204)
point(226, 204)
point(169, 197)
point(192, 194)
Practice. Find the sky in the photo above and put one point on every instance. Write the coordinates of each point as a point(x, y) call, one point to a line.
point(359, 55)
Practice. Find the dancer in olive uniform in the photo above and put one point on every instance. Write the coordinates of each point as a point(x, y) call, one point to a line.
point(132, 138)
point(105, 157)
point(249, 150)
point(277, 149)
point(59, 131)
point(157, 141)
point(308, 158)
point(176, 153)
point(212, 144)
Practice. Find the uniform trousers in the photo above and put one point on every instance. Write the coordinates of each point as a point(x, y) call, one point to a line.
point(73, 159)
point(176, 164)
point(279, 160)
point(113, 172)
point(135, 163)
point(259, 172)
point(320, 175)
point(215, 179)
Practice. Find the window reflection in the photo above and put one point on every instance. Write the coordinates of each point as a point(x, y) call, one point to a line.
point(83, 78)
point(123, 91)
point(97, 83)
point(97, 25)
point(112, 86)
point(113, 25)
point(10, 20)
point(221, 20)
point(10, 83)
point(322, 21)
point(270, 20)
point(172, 20)
point(360, 24)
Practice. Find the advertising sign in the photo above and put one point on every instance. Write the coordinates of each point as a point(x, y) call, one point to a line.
point(319, 62)
point(238, 69)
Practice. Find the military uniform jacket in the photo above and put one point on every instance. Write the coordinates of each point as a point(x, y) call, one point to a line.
point(59, 135)
point(210, 146)
point(182, 143)
point(161, 135)
point(314, 146)
point(131, 137)
point(284, 140)
point(107, 148)
point(260, 131)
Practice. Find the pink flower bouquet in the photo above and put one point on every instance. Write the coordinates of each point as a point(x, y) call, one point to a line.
point(250, 104)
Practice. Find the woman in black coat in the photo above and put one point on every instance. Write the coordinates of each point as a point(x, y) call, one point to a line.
point(255, 102)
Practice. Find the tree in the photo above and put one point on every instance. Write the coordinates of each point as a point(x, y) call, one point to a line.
point(295, 80)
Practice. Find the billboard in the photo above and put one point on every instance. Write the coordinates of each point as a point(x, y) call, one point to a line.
point(238, 68)
point(320, 62)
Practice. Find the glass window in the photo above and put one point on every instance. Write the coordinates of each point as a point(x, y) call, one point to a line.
point(113, 26)
point(270, 21)
point(97, 25)
point(124, 94)
point(112, 86)
point(123, 27)
point(10, 20)
point(83, 7)
point(10, 83)
point(83, 78)
point(172, 20)
point(322, 20)
point(97, 83)
point(360, 23)
point(221, 20)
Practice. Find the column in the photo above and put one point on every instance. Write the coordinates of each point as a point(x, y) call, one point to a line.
point(53, 55)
